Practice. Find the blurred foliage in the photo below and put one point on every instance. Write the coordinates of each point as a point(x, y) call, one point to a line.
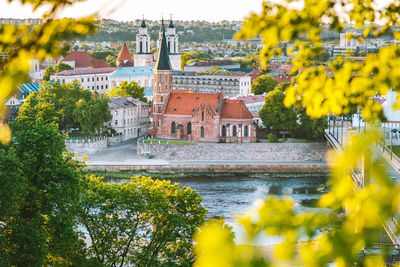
point(24, 43)
point(352, 215)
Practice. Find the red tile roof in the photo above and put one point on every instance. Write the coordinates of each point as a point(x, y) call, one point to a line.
point(235, 109)
point(83, 59)
point(183, 103)
point(124, 55)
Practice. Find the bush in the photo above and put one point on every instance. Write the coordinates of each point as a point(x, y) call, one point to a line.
point(272, 138)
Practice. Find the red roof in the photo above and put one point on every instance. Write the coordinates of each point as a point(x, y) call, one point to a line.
point(83, 59)
point(183, 103)
point(235, 109)
point(124, 55)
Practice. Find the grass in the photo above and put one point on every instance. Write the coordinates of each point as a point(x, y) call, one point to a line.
point(173, 142)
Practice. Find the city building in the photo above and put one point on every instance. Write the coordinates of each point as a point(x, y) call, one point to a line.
point(203, 117)
point(232, 85)
point(130, 116)
point(143, 75)
point(95, 80)
point(254, 104)
point(124, 58)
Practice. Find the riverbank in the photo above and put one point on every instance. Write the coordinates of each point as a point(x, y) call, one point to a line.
point(279, 170)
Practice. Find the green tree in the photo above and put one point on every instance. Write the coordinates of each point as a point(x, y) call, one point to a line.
point(140, 222)
point(128, 89)
point(263, 84)
point(59, 67)
point(71, 104)
point(275, 116)
point(310, 128)
point(91, 114)
point(194, 56)
point(40, 184)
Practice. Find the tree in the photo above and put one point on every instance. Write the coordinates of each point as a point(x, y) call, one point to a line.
point(263, 84)
point(40, 184)
point(275, 116)
point(59, 67)
point(128, 89)
point(91, 114)
point(140, 222)
point(347, 85)
point(194, 56)
point(310, 128)
point(74, 107)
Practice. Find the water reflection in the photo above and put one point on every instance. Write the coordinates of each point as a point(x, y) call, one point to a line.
point(229, 196)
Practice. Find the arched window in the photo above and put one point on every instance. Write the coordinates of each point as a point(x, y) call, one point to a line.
point(189, 128)
point(202, 132)
point(246, 131)
point(141, 48)
point(223, 130)
point(202, 116)
point(234, 130)
point(173, 128)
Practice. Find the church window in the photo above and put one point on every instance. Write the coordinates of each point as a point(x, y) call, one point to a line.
point(223, 130)
point(202, 132)
point(173, 128)
point(189, 128)
point(234, 131)
point(246, 131)
point(202, 116)
point(159, 109)
point(140, 50)
point(162, 99)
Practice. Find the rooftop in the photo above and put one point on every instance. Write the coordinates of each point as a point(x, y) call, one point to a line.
point(85, 72)
point(184, 102)
point(134, 71)
point(235, 109)
point(83, 59)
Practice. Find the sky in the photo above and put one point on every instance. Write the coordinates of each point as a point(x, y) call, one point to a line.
point(126, 10)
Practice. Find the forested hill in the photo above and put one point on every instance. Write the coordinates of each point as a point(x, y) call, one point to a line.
point(195, 33)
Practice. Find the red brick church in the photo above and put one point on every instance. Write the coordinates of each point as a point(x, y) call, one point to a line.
point(184, 115)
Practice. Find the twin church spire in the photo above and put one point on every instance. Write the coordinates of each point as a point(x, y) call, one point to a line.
point(144, 57)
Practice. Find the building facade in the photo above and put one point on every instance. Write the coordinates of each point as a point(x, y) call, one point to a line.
point(95, 80)
point(232, 85)
point(202, 117)
point(130, 116)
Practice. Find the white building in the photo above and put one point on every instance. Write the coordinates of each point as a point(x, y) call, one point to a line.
point(232, 85)
point(92, 79)
point(143, 75)
point(130, 116)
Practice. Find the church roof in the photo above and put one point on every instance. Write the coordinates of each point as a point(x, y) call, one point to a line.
point(183, 103)
point(171, 24)
point(163, 62)
point(124, 55)
point(235, 109)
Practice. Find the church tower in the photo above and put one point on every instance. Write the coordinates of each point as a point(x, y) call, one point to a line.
point(162, 80)
point(172, 45)
point(143, 56)
point(173, 49)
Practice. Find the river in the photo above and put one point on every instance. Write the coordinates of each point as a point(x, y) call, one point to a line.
point(230, 196)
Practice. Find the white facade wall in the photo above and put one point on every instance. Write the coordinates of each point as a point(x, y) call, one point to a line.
point(233, 85)
point(93, 82)
point(129, 121)
point(144, 81)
